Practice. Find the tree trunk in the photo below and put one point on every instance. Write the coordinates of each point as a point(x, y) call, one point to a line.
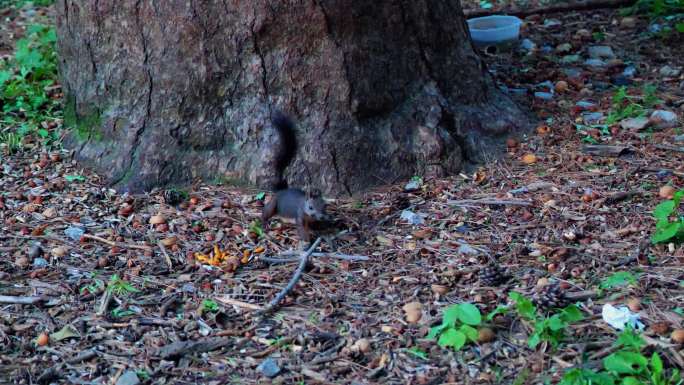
point(162, 92)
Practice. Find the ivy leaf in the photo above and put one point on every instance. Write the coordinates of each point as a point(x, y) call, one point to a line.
point(501, 309)
point(666, 232)
point(534, 340)
point(664, 209)
point(619, 279)
point(470, 332)
point(625, 362)
point(679, 27)
point(556, 323)
point(630, 339)
point(435, 331)
point(451, 315)
point(656, 364)
point(5, 76)
point(453, 338)
point(260, 196)
point(469, 314)
point(524, 305)
point(572, 314)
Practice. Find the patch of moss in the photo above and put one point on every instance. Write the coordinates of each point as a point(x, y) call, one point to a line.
point(86, 126)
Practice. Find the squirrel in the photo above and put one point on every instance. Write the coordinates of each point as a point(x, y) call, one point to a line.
point(308, 209)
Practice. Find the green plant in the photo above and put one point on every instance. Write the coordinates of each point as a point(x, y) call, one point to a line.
point(119, 286)
point(669, 224)
point(209, 305)
point(619, 279)
point(656, 7)
point(626, 106)
point(546, 328)
point(457, 326)
point(25, 81)
point(627, 366)
point(21, 3)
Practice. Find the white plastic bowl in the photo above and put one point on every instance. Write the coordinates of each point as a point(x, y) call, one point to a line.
point(494, 29)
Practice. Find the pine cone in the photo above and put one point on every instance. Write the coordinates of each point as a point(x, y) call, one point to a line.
point(172, 197)
point(493, 276)
point(551, 296)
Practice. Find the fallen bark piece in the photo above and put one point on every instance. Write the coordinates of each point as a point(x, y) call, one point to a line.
point(604, 150)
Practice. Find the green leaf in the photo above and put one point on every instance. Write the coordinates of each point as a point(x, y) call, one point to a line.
point(5, 76)
point(572, 314)
point(260, 196)
point(501, 309)
point(619, 279)
point(451, 315)
point(72, 178)
point(664, 209)
point(417, 352)
point(469, 314)
point(656, 364)
point(556, 323)
point(630, 339)
point(436, 330)
point(43, 133)
point(453, 338)
point(631, 381)
point(524, 306)
point(470, 332)
point(534, 340)
point(623, 362)
point(679, 27)
point(666, 232)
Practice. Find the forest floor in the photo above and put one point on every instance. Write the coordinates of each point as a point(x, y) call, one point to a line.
point(100, 288)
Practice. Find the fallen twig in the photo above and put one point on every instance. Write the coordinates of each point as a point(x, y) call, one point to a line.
point(182, 348)
point(345, 257)
point(505, 202)
point(563, 7)
point(272, 348)
point(246, 305)
point(117, 244)
point(274, 304)
point(166, 255)
point(22, 300)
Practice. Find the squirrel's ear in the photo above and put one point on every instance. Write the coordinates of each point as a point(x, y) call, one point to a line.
point(314, 193)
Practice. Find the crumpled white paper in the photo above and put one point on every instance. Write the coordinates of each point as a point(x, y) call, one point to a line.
point(620, 317)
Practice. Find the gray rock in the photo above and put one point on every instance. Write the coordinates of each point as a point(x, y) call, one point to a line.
point(663, 119)
point(585, 105)
point(543, 95)
point(670, 72)
point(601, 52)
point(128, 378)
point(74, 232)
point(564, 48)
point(595, 63)
point(569, 59)
point(634, 123)
point(40, 262)
point(36, 251)
point(412, 185)
point(592, 117)
point(528, 45)
point(655, 28)
point(269, 368)
point(629, 71)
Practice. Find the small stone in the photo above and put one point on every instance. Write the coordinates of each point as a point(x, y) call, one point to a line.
point(528, 45)
point(40, 262)
point(74, 233)
point(628, 22)
point(50, 213)
point(412, 185)
point(59, 251)
point(21, 262)
point(601, 52)
point(655, 28)
point(129, 377)
point(543, 95)
point(670, 72)
point(569, 59)
point(561, 86)
point(663, 119)
point(595, 63)
point(629, 71)
point(564, 48)
point(634, 123)
point(585, 105)
point(582, 34)
point(269, 368)
point(36, 251)
point(592, 117)
point(362, 345)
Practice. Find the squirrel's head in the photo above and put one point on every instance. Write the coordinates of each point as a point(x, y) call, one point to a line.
point(315, 206)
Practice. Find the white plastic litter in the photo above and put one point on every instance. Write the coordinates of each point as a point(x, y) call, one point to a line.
point(413, 218)
point(620, 317)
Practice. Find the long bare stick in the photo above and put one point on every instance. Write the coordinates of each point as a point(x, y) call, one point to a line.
point(344, 257)
point(117, 244)
point(564, 7)
point(21, 300)
point(274, 304)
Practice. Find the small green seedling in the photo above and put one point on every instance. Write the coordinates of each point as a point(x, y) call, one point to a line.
point(669, 224)
point(457, 326)
point(120, 287)
point(619, 279)
point(546, 328)
point(209, 306)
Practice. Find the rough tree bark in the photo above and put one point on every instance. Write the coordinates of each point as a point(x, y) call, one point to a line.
point(160, 92)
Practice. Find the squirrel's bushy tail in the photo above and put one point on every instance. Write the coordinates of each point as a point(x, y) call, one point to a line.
point(287, 147)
